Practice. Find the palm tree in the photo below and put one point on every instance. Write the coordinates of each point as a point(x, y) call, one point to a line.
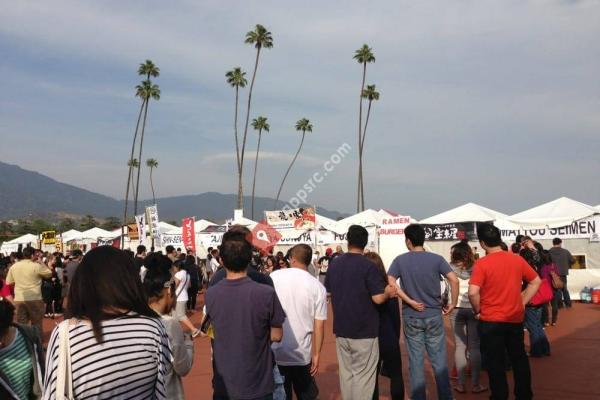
point(260, 124)
point(148, 91)
point(370, 93)
point(237, 79)
point(148, 69)
point(363, 55)
point(303, 125)
point(132, 164)
point(152, 163)
point(260, 37)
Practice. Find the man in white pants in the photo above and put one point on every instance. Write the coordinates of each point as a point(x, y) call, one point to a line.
point(304, 301)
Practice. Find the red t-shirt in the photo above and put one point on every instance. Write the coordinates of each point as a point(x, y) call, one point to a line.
point(6, 290)
point(500, 277)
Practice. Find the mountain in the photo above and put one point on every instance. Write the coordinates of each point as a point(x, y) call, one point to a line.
point(26, 193)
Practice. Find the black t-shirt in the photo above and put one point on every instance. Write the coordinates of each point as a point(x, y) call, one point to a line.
point(194, 272)
point(251, 272)
point(352, 279)
point(324, 264)
point(138, 262)
point(242, 313)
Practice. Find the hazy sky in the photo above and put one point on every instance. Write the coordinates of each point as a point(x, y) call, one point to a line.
point(495, 102)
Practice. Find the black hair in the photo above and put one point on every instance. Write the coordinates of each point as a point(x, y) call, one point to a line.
point(7, 313)
point(190, 260)
point(154, 281)
point(489, 234)
point(169, 249)
point(546, 257)
point(236, 252)
point(28, 252)
point(104, 283)
point(515, 248)
point(504, 246)
point(556, 241)
point(376, 259)
point(158, 261)
point(358, 237)
point(141, 249)
point(415, 233)
point(302, 253)
point(519, 238)
point(76, 253)
point(129, 254)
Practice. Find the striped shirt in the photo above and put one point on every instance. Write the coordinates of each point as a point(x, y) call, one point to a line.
point(15, 362)
point(130, 364)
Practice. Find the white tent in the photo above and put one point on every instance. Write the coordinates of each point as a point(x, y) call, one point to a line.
point(25, 239)
point(469, 212)
point(70, 235)
point(560, 212)
point(326, 223)
point(95, 233)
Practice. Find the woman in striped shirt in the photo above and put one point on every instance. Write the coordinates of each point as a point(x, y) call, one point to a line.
point(21, 362)
point(118, 346)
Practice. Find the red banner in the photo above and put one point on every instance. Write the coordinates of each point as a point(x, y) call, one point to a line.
point(188, 235)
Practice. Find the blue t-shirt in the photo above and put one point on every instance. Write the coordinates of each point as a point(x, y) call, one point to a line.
point(352, 279)
point(242, 313)
point(420, 273)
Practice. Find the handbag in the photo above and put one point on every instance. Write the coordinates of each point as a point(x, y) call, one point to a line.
point(64, 378)
point(557, 283)
point(544, 294)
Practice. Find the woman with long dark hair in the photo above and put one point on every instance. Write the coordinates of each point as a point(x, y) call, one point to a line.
point(111, 344)
point(539, 346)
point(160, 288)
point(390, 361)
point(464, 324)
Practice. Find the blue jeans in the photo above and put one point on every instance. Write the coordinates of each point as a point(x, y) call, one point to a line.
point(427, 334)
point(538, 342)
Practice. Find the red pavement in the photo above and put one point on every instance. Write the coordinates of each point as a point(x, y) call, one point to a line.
point(571, 373)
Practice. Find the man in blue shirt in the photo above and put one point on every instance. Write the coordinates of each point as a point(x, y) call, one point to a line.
point(356, 286)
point(420, 273)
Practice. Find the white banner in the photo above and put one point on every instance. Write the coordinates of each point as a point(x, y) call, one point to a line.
point(298, 218)
point(152, 221)
point(140, 221)
point(588, 228)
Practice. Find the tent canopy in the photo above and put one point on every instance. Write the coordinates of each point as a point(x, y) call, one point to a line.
point(469, 212)
point(25, 239)
point(70, 235)
point(96, 233)
point(560, 212)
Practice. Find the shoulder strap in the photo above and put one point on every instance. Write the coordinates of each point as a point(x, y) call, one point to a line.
point(64, 378)
point(183, 285)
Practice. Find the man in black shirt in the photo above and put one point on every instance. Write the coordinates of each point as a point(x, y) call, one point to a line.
point(138, 260)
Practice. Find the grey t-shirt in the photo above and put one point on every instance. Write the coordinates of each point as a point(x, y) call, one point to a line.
point(420, 273)
point(562, 258)
point(70, 270)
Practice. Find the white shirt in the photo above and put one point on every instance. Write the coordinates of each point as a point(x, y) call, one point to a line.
point(214, 264)
point(184, 280)
point(303, 299)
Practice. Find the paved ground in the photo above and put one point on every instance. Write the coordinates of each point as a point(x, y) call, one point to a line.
point(572, 372)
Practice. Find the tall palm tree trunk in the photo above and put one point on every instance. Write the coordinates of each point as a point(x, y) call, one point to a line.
point(289, 168)
point(359, 184)
point(129, 174)
point(255, 168)
point(137, 185)
point(235, 124)
point(152, 186)
point(240, 202)
point(362, 149)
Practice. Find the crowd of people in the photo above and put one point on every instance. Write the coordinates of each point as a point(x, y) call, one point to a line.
point(126, 331)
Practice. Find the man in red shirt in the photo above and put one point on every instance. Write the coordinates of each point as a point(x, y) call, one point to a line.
point(499, 304)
